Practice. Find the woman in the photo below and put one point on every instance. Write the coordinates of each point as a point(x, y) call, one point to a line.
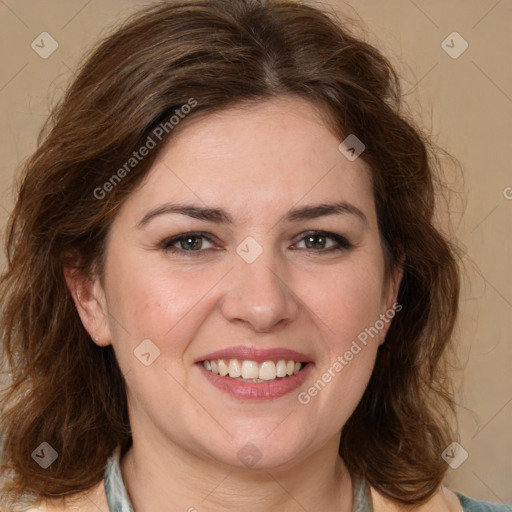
point(224, 288)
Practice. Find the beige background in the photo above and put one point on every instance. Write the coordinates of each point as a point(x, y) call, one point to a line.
point(466, 102)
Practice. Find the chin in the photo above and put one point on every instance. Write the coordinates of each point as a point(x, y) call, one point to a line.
point(262, 452)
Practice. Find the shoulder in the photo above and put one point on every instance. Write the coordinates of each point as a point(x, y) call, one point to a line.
point(444, 500)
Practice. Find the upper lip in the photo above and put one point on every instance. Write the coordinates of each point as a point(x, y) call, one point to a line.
point(242, 352)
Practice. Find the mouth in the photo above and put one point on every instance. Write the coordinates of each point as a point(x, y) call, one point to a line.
point(255, 374)
point(251, 371)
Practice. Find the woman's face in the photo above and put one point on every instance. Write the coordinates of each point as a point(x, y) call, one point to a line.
point(256, 288)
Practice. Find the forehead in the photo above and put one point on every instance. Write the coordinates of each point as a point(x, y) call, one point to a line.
point(277, 152)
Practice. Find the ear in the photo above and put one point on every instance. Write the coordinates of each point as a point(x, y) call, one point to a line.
point(390, 294)
point(393, 282)
point(89, 297)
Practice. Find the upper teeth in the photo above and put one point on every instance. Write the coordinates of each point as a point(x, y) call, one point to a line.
point(246, 369)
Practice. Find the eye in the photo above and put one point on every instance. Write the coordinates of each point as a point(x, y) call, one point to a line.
point(190, 244)
point(316, 241)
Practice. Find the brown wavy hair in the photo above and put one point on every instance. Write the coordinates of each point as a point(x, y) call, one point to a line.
point(66, 390)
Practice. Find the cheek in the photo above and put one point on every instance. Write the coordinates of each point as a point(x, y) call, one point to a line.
point(348, 303)
point(348, 300)
point(158, 303)
point(348, 306)
point(150, 299)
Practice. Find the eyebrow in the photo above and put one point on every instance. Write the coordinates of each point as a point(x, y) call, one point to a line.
point(220, 216)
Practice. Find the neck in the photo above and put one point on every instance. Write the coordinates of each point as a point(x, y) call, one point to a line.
point(167, 478)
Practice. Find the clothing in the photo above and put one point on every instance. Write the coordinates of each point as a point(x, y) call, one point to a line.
point(481, 506)
point(118, 500)
point(110, 495)
point(117, 497)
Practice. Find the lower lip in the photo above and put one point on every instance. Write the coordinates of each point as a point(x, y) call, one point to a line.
point(257, 391)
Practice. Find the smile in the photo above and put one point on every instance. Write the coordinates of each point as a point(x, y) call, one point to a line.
point(248, 372)
point(251, 371)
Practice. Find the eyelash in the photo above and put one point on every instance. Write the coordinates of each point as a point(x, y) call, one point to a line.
point(167, 244)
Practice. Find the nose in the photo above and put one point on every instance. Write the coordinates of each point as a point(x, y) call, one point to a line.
point(260, 294)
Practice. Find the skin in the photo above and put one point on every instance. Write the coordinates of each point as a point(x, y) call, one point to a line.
point(256, 163)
